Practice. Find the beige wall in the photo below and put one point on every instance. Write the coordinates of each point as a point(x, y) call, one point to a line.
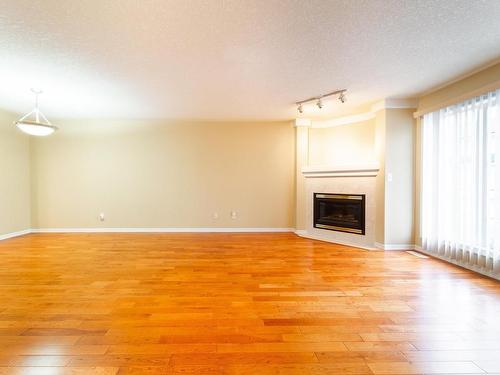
point(301, 160)
point(399, 164)
point(164, 174)
point(342, 145)
point(14, 177)
point(380, 130)
point(459, 88)
point(418, 182)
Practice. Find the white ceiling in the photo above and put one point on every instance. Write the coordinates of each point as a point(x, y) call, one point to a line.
point(228, 59)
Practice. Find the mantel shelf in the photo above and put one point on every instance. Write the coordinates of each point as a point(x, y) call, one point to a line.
point(359, 170)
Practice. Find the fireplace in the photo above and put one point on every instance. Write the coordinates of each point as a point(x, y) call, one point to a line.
point(340, 212)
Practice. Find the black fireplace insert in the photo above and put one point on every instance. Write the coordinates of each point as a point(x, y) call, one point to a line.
point(340, 212)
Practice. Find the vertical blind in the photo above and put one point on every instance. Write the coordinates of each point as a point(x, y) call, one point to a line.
point(460, 213)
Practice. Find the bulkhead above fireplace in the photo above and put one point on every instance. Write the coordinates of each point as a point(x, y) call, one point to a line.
point(339, 212)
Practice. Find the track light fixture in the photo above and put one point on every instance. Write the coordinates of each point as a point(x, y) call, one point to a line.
point(342, 97)
point(318, 99)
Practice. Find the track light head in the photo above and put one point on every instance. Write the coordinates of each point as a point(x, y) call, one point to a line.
point(299, 108)
point(319, 103)
point(342, 97)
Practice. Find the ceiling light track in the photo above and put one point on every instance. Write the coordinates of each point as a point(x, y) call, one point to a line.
point(318, 99)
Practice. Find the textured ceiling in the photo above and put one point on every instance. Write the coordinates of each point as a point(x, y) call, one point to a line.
point(223, 59)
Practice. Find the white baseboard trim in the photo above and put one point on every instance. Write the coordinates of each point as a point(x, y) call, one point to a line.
point(394, 247)
point(161, 230)
point(145, 230)
point(304, 234)
point(378, 246)
point(300, 232)
point(15, 234)
point(417, 254)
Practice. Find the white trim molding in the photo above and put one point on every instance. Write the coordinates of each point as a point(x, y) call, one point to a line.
point(395, 104)
point(461, 98)
point(394, 247)
point(162, 230)
point(378, 245)
point(146, 230)
point(302, 122)
point(364, 170)
point(417, 254)
point(304, 234)
point(15, 234)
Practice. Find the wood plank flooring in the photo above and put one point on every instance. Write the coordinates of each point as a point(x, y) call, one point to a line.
point(238, 304)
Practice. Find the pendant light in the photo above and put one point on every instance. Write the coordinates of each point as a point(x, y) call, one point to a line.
point(35, 122)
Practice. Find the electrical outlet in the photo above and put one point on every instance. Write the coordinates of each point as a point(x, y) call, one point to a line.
point(215, 215)
point(101, 216)
point(234, 215)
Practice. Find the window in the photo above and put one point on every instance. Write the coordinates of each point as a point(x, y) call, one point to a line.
point(460, 218)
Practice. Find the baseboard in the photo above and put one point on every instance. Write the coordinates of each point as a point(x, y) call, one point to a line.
point(394, 247)
point(145, 230)
point(15, 234)
point(304, 234)
point(161, 230)
point(378, 246)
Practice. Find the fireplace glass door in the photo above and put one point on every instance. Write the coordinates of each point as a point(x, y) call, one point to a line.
point(340, 212)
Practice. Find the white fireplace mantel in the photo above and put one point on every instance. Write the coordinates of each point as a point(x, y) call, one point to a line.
point(359, 170)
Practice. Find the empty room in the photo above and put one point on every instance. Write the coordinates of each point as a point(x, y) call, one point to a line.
point(249, 187)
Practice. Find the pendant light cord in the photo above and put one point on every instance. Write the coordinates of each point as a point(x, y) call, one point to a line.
point(37, 111)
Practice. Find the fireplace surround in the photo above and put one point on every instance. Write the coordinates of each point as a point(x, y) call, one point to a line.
point(351, 180)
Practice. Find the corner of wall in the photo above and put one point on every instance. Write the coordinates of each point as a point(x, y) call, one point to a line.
point(15, 199)
point(301, 160)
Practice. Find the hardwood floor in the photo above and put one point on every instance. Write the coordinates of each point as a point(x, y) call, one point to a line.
point(238, 304)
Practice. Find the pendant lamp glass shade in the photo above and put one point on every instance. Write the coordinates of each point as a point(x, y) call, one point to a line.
point(35, 123)
point(33, 128)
